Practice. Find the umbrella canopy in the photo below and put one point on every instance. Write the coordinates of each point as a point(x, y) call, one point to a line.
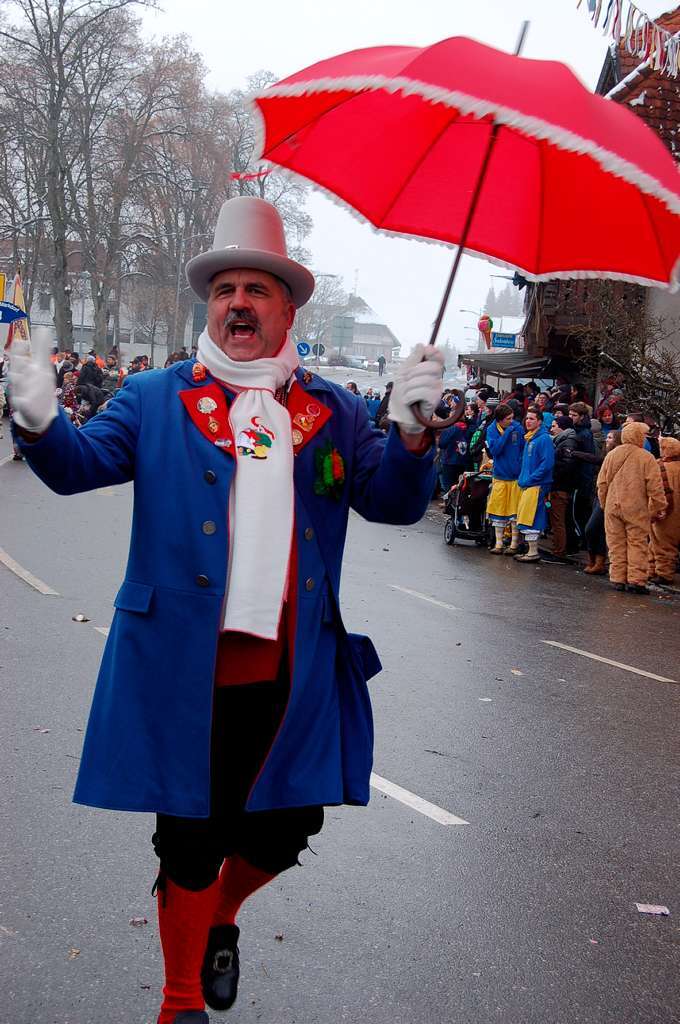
point(575, 186)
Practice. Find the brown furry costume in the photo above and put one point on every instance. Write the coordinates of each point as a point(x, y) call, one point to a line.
point(666, 532)
point(631, 493)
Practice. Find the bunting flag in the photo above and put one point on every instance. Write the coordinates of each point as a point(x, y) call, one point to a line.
point(642, 37)
point(249, 175)
point(18, 328)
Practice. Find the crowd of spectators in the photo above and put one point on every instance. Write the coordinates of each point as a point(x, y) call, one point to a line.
point(610, 486)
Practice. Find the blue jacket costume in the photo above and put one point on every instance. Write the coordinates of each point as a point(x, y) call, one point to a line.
point(506, 450)
point(538, 460)
point(537, 471)
point(147, 746)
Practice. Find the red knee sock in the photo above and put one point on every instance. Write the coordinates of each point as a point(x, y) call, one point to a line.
point(238, 881)
point(184, 918)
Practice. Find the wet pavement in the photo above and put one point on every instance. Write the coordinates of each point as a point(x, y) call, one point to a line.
point(565, 769)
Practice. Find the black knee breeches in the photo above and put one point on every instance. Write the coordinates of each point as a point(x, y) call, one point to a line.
point(191, 850)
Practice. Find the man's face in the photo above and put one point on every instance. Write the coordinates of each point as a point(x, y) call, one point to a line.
point(249, 314)
point(531, 421)
point(554, 429)
point(505, 423)
point(574, 416)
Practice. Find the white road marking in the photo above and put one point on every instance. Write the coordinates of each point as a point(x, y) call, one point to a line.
point(104, 630)
point(7, 458)
point(416, 803)
point(26, 576)
point(608, 661)
point(424, 597)
point(106, 491)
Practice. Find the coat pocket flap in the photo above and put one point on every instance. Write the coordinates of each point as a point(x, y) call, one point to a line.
point(366, 653)
point(134, 597)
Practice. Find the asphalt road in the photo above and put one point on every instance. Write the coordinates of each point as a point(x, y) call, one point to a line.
point(565, 769)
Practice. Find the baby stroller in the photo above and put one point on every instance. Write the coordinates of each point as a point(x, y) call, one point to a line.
point(465, 506)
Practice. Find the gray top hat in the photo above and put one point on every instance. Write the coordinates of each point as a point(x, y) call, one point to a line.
point(249, 236)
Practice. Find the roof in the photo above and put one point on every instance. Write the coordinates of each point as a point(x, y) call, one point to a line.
point(652, 95)
point(513, 364)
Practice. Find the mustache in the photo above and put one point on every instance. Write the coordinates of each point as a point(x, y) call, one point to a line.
point(242, 316)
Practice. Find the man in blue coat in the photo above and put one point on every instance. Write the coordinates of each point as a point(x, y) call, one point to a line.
point(535, 481)
point(231, 701)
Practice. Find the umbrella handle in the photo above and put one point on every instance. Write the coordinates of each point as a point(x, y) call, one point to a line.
point(436, 424)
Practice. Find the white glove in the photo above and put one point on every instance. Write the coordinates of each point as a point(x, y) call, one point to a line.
point(418, 379)
point(33, 385)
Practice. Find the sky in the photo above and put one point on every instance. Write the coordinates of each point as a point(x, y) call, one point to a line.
point(402, 280)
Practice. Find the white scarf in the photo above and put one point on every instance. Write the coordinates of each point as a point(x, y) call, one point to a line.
point(261, 504)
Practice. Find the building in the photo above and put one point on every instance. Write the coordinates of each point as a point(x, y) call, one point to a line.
point(362, 334)
point(555, 308)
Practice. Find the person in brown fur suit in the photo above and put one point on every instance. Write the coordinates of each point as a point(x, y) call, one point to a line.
point(666, 531)
point(631, 494)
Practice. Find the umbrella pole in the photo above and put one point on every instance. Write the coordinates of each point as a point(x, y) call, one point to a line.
point(464, 236)
point(426, 421)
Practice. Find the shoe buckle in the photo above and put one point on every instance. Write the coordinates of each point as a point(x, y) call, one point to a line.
point(223, 961)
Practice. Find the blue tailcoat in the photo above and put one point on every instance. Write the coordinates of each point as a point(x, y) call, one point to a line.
point(147, 746)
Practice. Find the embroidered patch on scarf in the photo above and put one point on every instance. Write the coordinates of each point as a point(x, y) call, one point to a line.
point(255, 441)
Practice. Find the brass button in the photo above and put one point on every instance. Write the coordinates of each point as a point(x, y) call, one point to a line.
point(309, 533)
point(203, 581)
point(210, 477)
point(309, 584)
point(209, 527)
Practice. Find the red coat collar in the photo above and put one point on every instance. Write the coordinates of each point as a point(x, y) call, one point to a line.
point(209, 412)
point(207, 407)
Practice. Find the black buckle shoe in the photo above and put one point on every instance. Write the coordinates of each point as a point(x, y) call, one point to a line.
point(220, 972)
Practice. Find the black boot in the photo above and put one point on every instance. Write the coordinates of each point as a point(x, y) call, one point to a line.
point(220, 973)
point(191, 1017)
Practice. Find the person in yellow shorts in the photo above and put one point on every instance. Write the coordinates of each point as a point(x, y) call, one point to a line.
point(505, 441)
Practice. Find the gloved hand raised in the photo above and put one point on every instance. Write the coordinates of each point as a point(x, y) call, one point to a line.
point(418, 379)
point(32, 386)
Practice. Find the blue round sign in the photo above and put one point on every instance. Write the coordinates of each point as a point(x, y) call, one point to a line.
point(303, 349)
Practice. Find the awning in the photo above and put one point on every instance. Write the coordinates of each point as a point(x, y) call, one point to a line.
point(513, 364)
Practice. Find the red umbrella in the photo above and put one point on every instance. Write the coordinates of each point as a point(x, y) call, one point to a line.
point(508, 158)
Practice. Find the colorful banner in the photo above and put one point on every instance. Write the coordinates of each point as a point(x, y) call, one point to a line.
point(642, 36)
point(18, 328)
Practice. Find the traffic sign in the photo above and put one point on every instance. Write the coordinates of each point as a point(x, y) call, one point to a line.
point(499, 340)
point(319, 349)
point(303, 349)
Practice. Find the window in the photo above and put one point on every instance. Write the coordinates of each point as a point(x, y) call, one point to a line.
point(44, 301)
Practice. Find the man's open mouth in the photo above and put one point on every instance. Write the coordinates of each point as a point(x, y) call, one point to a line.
point(241, 329)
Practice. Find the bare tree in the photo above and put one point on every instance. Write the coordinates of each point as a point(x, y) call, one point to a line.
point(47, 43)
point(619, 335)
point(288, 194)
point(314, 319)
